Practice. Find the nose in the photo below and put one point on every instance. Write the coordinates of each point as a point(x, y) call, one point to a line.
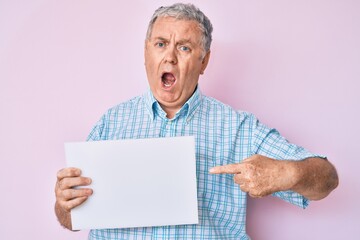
point(170, 55)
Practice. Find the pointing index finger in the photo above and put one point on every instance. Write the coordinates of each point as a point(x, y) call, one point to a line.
point(234, 168)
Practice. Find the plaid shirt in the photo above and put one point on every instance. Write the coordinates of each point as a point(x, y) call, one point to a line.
point(222, 136)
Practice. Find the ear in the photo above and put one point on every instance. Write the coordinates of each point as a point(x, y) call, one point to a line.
point(205, 62)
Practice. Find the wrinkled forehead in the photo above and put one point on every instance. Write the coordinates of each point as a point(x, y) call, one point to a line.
point(170, 26)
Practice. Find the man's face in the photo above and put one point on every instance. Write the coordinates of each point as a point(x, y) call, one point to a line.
point(174, 59)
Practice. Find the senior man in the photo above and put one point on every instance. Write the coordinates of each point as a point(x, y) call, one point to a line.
point(235, 153)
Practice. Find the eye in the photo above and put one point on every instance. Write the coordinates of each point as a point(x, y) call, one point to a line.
point(184, 48)
point(160, 44)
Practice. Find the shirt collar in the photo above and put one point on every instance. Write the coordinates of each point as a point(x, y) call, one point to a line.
point(189, 108)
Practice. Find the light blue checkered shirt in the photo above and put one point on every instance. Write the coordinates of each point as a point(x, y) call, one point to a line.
point(222, 136)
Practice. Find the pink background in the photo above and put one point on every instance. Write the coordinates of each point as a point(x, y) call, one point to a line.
point(295, 64)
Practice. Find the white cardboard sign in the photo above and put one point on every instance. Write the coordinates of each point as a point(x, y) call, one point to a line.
point(136, 183)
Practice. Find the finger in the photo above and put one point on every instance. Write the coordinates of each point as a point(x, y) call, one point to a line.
point(73, 193)
point(235, 168)
point(239, 179)
point(68, 172)
point(243, 183)
point(254, 195)
point(71, 204)
point(244, 188)
point(258, 193)
point(67, 183)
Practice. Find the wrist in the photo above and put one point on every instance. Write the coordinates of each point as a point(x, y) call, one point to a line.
point(291, 175)
point(295, 175)
point(63, 216)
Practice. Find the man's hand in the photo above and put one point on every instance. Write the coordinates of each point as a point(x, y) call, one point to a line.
point(67, 197)
point(260, 176)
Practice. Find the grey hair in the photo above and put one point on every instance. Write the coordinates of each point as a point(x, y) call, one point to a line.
point(183, 11)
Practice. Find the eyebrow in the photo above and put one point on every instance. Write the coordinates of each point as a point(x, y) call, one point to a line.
point(160, 38)
point(180, 42)
point(185, 41)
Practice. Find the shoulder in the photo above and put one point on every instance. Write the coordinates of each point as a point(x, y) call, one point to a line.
point(116, 117)
point(127, 106)
point(219, 108)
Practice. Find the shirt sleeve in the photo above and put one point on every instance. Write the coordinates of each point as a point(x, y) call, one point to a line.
point(96, 131)
point(268, 142)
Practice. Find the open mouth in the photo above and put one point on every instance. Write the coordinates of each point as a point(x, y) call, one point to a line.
point(168, 80)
